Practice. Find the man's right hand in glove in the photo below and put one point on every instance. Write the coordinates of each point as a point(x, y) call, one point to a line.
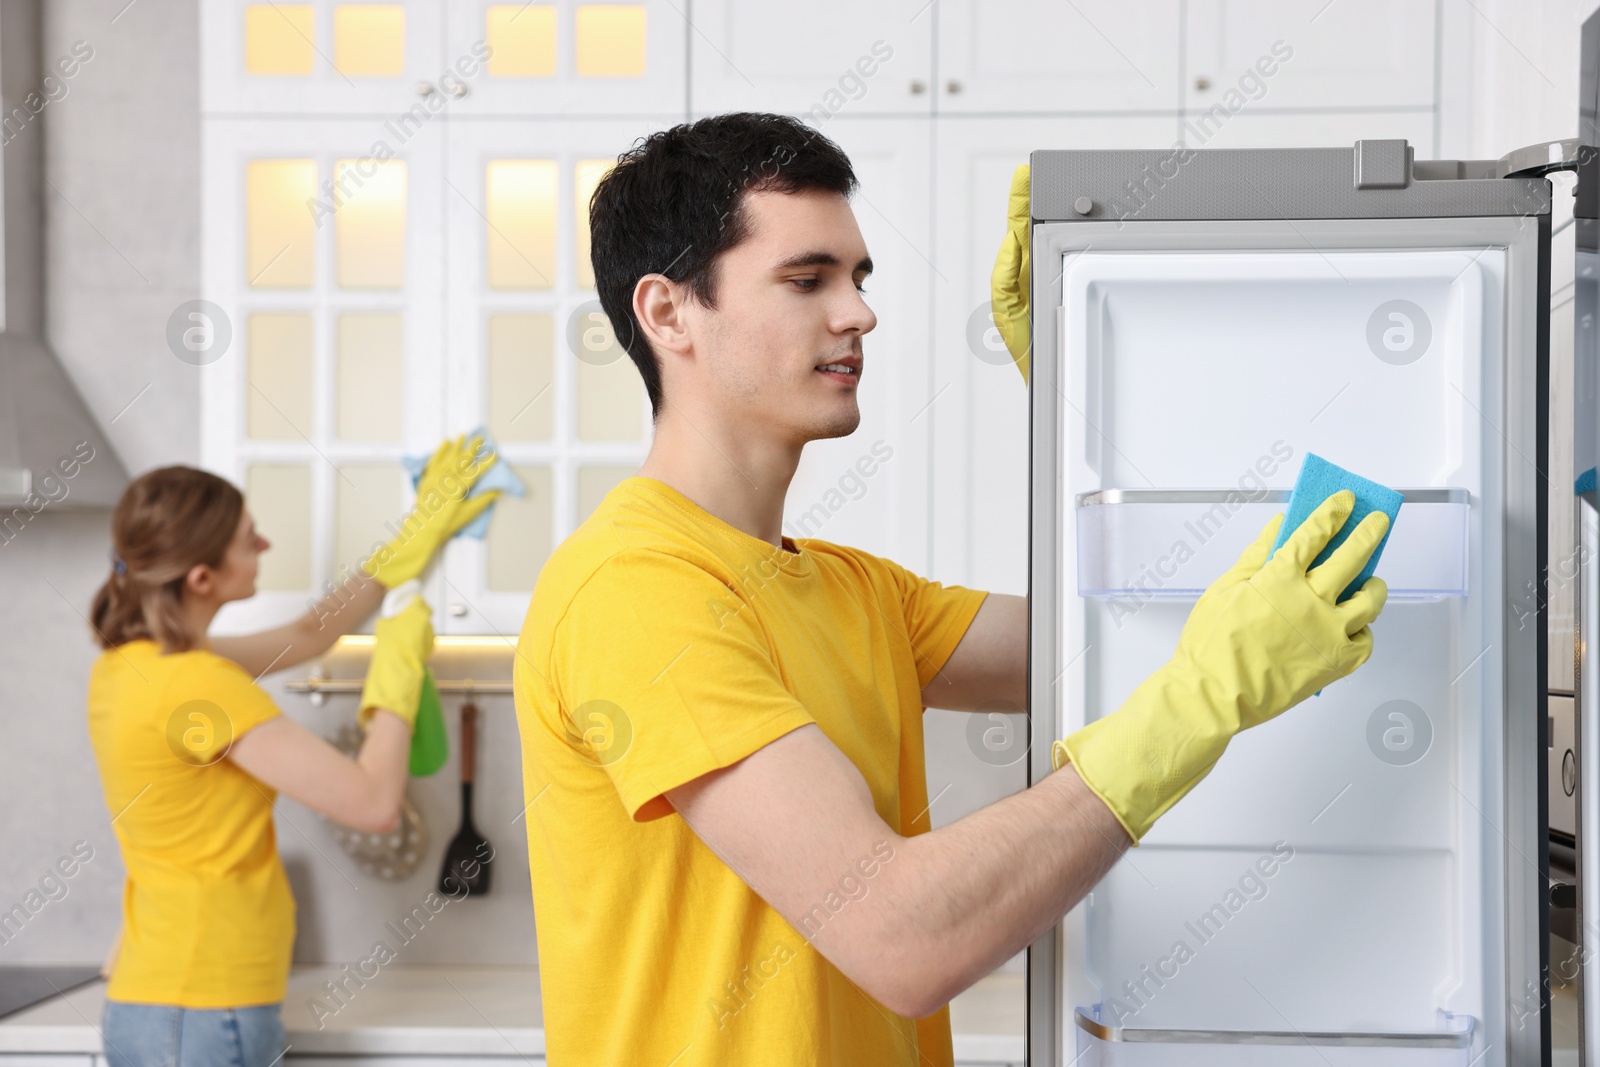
point(1262, 638)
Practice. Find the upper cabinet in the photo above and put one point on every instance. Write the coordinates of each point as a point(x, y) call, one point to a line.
point(816, 60)
point(552, 60)
point(318, 58)
point(319, 341)
point(377, 279)
point(1276, 54)
point(1092, 55)
point(408, 61)
point(531, 356)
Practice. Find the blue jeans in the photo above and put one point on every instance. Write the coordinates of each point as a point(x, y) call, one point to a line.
point(161, 1035)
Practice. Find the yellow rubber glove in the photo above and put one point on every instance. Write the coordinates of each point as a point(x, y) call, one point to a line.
point(441, 509)
point(394, 677)
point(1262, 638)
point(1008, 285)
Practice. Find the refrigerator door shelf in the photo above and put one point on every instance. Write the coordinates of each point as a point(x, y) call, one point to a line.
point(1102, 1044)
point(1135, 545)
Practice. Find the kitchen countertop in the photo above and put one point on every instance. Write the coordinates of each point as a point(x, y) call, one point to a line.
point(480, 1011)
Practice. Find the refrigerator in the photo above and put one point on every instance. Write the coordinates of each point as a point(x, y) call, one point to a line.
point(1364, 879)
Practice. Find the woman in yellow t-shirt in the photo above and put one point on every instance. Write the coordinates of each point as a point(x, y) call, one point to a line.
point(192, 752)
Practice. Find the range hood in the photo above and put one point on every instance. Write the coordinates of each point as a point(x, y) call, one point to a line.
point(52, 452)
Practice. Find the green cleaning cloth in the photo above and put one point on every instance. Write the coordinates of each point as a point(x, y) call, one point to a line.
point(430, 746)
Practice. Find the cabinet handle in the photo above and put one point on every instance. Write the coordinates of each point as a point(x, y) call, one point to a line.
point(918, 88)
point(952, 86)
point(458, 90)
point(1202, 83)
point(425, 89)
point(458, 610)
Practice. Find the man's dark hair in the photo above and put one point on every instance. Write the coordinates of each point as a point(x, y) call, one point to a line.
point(674, 203)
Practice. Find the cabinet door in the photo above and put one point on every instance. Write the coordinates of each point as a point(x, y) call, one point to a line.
point(319, 348)
point(870, 490)
point(570, 58)
point(531, 355)
point(980, 422)
point(1268, 54)
point(322, 58)
point(1094, 55)
point(818, 60)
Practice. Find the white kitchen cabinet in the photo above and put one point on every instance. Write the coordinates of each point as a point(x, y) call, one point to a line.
point(332, 375)
point(934, 156)
point(822, 59)
point(1349, 54)
point(570, 57)
point(319, 357)
point(530, 353)
point(1011, 56)
point(320, 58)
point(980, 421)
point(475, 58)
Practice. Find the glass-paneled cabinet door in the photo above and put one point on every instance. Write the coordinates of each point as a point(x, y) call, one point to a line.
point(531, 355)
point(318, 341)
point(329, 57)
point(570, 57)
point(821, 60)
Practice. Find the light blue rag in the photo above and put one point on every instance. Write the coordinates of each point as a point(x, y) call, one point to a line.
point(498, 476)
point(1319, 480)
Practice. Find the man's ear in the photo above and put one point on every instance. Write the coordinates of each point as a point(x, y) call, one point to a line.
point(659, 305)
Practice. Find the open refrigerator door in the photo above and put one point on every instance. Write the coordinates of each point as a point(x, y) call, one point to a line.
point(1361, 879)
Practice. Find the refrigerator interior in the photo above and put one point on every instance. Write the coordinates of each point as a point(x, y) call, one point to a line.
point(1339, 871)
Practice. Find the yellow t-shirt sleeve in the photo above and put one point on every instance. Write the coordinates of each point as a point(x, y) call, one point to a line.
point(664, 674)
point(937, 617)
point(214, 702)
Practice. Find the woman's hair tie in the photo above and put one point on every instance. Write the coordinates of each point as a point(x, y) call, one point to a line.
point(117, 564)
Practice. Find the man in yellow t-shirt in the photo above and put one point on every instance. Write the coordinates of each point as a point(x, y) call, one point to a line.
point(726, 803)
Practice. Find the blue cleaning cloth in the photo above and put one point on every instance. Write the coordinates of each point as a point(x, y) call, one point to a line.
point(498, 476)
point(1585, 482)
point(1318, 480)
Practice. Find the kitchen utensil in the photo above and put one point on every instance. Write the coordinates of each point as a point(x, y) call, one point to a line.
point(466, 861)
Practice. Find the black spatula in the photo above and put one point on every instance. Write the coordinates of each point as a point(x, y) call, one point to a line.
point(466, 861)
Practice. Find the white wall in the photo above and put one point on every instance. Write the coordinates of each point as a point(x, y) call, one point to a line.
point(122, 248)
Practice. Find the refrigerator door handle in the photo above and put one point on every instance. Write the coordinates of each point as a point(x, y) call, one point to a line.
point(1537, 160)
